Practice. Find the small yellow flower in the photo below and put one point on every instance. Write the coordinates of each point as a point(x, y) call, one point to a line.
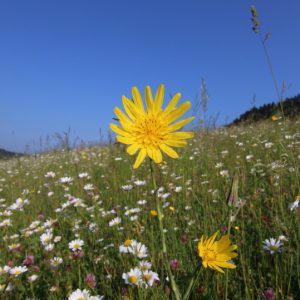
point(217, 254)
point(274, 118)
point(153, 213)
point(171, 208)
point(153, 130)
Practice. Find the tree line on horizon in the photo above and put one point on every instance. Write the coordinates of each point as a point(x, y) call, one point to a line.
point(290, 107)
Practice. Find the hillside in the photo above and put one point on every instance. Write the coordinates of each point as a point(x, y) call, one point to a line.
point(7, 154)
point(291, 109)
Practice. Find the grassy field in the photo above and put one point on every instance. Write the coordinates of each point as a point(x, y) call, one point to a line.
point(59, 231)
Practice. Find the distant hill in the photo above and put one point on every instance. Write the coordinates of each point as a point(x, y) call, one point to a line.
point(291, 108)
point(7, 154)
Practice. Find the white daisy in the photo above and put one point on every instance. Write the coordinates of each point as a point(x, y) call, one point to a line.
point(66, 180)
point(140, 182)
point(16, 271)
point(138, 249)
point(127, 187)
point(115, 221)
point(46, 237)
point(149, 278)
point(56, 261)
point(145, 265)
point(272, 245)
point(126, 246)
point(76, 245)
point(80, 295)
point(133, 277)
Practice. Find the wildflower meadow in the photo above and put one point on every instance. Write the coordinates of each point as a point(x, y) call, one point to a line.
point(162, 213)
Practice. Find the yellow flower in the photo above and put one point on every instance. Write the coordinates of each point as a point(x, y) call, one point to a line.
point(153, 213)
point(274, 118)
point(152, 130)
point(217, 254)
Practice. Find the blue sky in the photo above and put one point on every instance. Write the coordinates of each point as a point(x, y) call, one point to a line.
point(67, 63)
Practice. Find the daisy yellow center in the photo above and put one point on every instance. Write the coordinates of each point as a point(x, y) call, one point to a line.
point(132, 279)
point(80, 298)
point(149, 131)
point(76, 246)
point(18, 272)
point(147, 277)
point(274, 248)
point(127, 243)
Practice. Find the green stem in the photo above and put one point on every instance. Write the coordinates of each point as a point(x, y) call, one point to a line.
point(192, 283)
point(163, 238)
point(226, 274)
point(263, 42)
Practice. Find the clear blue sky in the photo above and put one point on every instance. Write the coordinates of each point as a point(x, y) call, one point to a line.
point(67, 63)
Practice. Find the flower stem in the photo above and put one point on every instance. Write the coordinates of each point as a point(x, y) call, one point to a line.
point(163, 238)
point(226, 274)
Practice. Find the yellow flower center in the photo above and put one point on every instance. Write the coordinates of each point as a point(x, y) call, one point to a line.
point(80, 298)
point(149, 131)
point(127, 243)
point(209, 255)
point(132, 279)
point(18, 272)
point(273, 248)
point(76, 246)
point(147, 277)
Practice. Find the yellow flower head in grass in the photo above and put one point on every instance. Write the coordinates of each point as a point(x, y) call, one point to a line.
point(217, 254)
point(151, 130)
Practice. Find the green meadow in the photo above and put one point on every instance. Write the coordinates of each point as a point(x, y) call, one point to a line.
point(94, 197)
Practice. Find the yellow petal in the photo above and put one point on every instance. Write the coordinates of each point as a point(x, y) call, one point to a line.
point(131, 109)
point(172, 104)
point(212, 239)
point(212, 265)
point(225, 264)
point(149, 99)
point(137, 99)
point(159, 97)
point(178, 112)
point(180, 124)
point(169, 151)
point(132, 149)
point(157, 156)
point(140, 158)
point(125, 140)
point(124, 120)
point(150, 152)
point(119, 130)
point(180, 135)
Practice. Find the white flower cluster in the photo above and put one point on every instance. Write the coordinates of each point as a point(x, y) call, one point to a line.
point(84, 295)
point(140, 276)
